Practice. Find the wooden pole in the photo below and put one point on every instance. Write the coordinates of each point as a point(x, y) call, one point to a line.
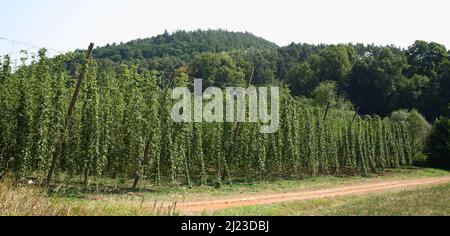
point(58, 149)
point(236, 132)
point(249, 82)
point(356, 113)
point(326, 111)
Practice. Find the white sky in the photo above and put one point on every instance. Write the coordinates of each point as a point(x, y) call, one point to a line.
point(69, 24)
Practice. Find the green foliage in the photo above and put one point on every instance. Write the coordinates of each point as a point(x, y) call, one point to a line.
point(377, 79)
point(90, 128)
point(417, 126)
point(217, 69)
point(122, 126)
point(325, 94)
point(181, 42)
point(42, 144)
point(438, 145)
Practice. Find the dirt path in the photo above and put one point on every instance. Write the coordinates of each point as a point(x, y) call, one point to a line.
point(350, 189)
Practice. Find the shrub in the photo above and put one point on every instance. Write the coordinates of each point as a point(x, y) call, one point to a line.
point(418, 130)
point(438, 146)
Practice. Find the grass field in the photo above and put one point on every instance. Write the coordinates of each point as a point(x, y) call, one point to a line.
point(424, 201)
point(119, 190)
point(100, 200)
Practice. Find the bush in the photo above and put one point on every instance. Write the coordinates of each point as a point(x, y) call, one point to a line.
point(438, 146)
point(418, 128)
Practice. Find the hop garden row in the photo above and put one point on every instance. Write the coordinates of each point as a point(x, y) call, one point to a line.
point(122, 129)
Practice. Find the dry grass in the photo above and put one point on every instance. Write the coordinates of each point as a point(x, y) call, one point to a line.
point(19, 200)
point(114, 208)
point(27, 200)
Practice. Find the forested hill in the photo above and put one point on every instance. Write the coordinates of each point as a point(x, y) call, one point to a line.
point(181, 45)
point(376, 79)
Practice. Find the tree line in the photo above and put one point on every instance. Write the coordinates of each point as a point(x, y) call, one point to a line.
point(376, 79)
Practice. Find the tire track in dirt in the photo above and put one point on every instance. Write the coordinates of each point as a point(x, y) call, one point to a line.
point(350, 189)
